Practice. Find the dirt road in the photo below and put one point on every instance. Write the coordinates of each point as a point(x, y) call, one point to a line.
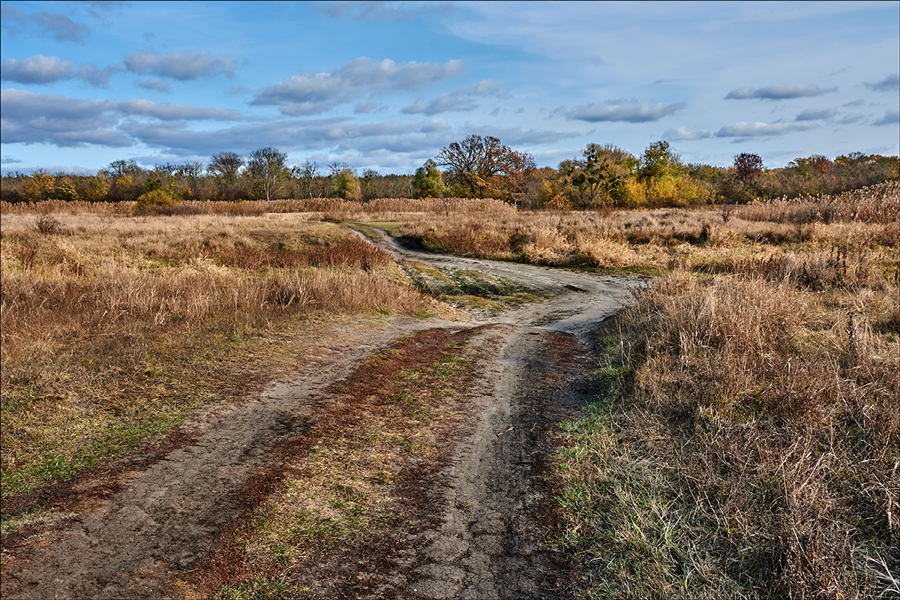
point(166, 518)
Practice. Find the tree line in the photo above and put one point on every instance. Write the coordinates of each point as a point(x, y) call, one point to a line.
point(476, 167)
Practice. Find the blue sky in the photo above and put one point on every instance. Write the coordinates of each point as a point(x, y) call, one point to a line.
point(386, 85)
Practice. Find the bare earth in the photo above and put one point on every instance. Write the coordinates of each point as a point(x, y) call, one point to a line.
point(165, 518)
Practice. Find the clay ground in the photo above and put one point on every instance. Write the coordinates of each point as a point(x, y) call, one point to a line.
point(472, 523)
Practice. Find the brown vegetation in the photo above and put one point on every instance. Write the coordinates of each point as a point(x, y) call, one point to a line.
point(749, 441)
point(113, 328)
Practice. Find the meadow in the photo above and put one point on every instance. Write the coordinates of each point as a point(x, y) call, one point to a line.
point(746, 444)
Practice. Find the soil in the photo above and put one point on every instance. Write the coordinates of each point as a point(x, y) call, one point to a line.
point(483, 516)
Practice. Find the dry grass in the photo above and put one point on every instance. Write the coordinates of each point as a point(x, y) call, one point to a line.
point(654, 241)
point(749, 445)
point(749, 442)
point(874, 204)
point(114, 328)
point(331, 208)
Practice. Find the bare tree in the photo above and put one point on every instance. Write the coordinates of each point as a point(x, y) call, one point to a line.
point(307, 175)
point(268, 171)
point(225, 166)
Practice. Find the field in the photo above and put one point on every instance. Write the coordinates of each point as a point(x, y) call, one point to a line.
point(743, 433)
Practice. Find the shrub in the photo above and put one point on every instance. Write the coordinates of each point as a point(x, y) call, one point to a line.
point(155, 202)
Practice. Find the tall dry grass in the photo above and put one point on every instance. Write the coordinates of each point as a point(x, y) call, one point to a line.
point(335, 208)
point(863, 223)
point(113, 328)
point(749, 446)
point(874, 204)
point(748, 442)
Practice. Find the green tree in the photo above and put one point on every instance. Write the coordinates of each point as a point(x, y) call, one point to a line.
point(267, 171)
point(657, 161)
point(428, 182)
point(66, 190)
point(344, 184)
point(600, 177)
point(369, 177)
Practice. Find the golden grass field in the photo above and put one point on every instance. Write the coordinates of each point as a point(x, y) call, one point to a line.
point(747, 443)
point(115, 327)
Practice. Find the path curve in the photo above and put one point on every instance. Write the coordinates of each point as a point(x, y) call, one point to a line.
point(167, 518)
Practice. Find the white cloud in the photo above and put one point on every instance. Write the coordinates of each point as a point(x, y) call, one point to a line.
point(888, 84)
point(777, 92)
point(816, 115)
point(29, 118)
point(686, 133)
point(366, 73)
point(60, 27)
point(152, 83)
point(41, 70)
point(622, 111)
point(889, 118)
point(364, 107)
point(758, 129)
point(182, 66)
point(309, 94)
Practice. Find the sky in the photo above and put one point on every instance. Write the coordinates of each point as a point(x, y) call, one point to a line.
point(386, 85)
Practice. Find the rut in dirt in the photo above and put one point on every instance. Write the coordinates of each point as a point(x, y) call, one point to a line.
point(497, 506)
point(491, 506)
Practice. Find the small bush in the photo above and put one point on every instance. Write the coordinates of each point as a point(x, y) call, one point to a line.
point(155, 202)
point(49, 225)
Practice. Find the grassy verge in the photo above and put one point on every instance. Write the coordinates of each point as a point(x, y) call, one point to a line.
point(336, 515)
point(115, 328)
point(749, 441)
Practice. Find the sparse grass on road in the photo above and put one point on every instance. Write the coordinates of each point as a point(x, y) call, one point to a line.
point(347, 494)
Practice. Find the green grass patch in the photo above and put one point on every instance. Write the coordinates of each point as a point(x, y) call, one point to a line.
point(389, 227)
point(468, 289)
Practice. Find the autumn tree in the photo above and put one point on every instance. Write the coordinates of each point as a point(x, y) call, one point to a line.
point(267, 171)
point(474, 163)
point(748, 167)
point(657, 161)
point(518, 173)
point(664, 181)
point(39, 186)
point(127, 180)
